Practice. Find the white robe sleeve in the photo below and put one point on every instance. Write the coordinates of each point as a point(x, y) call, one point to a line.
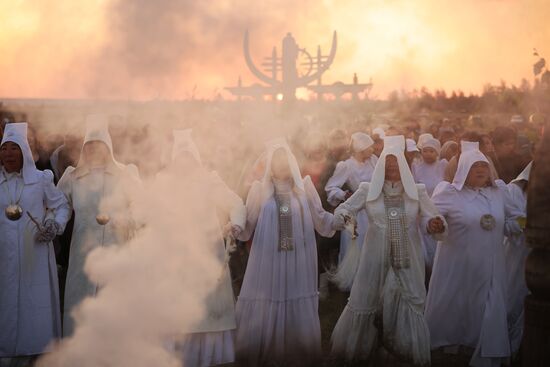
point(335, 194)
point(355, 202)
point(253, 207)
point(429, 211)
point(511, 211)
point(517, 199)
point(65, 184)
point(414, 171)
point(228, 201)
point(322, 220)
point(55, 201)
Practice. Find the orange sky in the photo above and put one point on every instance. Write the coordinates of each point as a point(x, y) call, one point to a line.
point(176, 48)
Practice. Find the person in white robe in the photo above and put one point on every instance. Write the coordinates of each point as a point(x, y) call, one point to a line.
point(466, 303)
point(277, 309)
point(210, 341)
point(516, 252)
point(346, 179)
point(430, 171)
point(95, 189)
point(423, 138)
point(412, 153)
point(386, 304)
point(34, 211)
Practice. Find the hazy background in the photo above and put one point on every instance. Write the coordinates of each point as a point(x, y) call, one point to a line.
point(178, 49)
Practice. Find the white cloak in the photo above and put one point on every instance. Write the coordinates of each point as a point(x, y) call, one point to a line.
point(395, 298)
point(466, 303)
point(29, 293)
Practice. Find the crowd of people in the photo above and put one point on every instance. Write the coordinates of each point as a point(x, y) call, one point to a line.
point(421, 225)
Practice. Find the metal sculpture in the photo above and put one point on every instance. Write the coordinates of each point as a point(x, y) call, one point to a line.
point(295, 68)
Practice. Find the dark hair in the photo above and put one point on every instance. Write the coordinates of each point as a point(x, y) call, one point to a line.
point(472, 136)
point(502, 134)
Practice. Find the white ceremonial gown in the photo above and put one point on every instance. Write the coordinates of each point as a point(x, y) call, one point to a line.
point(516, 252)
point(430, 175)
point(277, 310)
point(85, 190)
point(210, 341)
point(351, 173)
point(29, 294)
point(385, 301)
point(466, 303)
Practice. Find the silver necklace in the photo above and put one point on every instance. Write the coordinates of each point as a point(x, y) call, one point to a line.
point(13, 211)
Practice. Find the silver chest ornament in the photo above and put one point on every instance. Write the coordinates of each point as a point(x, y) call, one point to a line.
point(487, 222)
point(13, 212)
point(286, 239)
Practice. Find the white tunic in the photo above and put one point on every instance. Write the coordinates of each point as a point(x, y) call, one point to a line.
point(277, 310)
point(352, 173)
point(91, 192)
point(430, 175)
point(516, 251)
point(466, 303)
point(381, 295)
point(29, 294)
point(210, 341)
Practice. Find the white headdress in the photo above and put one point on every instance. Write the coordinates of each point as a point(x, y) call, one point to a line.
point(466, 146)
point(423, 138)
point(271, 147)
point(393, 145)
point(183, 143)
point(432, 143)
point(97, 129)
point(465, 163)
point(380, 132)
point(17, 133)
point(360, 141)
point(411, 146)
point(524, 175)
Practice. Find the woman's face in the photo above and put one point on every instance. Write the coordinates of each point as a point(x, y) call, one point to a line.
point(392, 169)
point(486, 145)
point(11, 157)
point(279, 165)
point(507, 147)
point(429, 155)
point(96, 153)
point(363, 155)
point(479, 175)
point(378, 147)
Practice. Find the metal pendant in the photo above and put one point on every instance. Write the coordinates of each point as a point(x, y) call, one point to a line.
point(102, 219)
point(13, 212)
point(393, 213)
point(487, 222)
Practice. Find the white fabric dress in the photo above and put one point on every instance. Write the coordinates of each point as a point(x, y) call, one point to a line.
point(430, 175)
point(516, 252)
point(211, 341)
point(93, 191)
point(350, 172)
point(385, 301)
point(277, 310)
point(466, 303)
point(29, 294)
point(85, 189)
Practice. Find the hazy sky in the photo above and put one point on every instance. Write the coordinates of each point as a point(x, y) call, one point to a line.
point(174, 48)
